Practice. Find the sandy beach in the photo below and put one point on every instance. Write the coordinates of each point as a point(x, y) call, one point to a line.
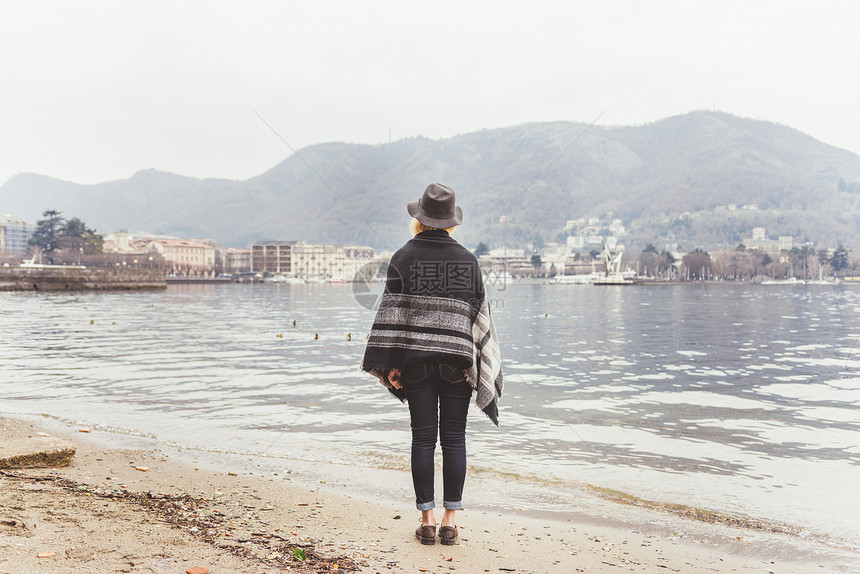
point(154, 510)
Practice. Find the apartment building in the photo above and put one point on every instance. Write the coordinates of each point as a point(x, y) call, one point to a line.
point(184, 257)
point(273, 257)
point(232, 260)
point(14, 233)
point(356, 257)
point(338, 262)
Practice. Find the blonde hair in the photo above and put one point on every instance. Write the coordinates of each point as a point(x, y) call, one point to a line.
point(417, 227)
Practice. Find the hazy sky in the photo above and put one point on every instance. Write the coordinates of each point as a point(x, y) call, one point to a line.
point(94, 91)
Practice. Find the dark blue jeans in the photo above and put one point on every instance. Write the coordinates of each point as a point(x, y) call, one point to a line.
point(438, 397)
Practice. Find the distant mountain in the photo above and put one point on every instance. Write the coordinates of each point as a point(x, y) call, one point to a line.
point(674, 176)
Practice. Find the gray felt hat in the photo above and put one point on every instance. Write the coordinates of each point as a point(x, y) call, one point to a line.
point(437, 207)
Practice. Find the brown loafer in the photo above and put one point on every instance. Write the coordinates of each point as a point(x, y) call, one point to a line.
point(448, 535)
point(426, 534)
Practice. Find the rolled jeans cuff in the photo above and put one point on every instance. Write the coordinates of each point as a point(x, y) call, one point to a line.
point(426, 505)
point(453, 505)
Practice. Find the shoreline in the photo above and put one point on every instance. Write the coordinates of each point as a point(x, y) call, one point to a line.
point(90, 516)
point(556, 500)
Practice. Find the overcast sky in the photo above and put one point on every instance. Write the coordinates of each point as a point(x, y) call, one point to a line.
point(95, 91)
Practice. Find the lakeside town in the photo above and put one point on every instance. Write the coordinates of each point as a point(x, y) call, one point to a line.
point(593, 251)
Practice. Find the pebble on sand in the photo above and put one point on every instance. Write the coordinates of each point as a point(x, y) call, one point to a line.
point(45, 554)
point(197, 570)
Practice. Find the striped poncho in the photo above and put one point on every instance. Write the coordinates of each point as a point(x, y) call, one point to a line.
point(435, 307)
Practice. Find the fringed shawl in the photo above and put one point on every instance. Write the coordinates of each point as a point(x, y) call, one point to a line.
point(446, 320)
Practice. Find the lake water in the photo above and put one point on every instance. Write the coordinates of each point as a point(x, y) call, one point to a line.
point(736, 398)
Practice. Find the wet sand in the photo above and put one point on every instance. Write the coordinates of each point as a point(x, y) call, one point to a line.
point(157, 510)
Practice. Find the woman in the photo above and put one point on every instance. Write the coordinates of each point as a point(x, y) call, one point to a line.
point(433, 344)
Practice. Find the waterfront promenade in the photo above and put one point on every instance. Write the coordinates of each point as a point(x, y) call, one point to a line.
point(78, 278)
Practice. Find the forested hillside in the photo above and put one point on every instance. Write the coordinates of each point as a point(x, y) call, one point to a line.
point(516, 185)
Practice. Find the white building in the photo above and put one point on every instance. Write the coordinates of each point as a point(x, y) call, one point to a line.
point(761, 242)
point(232, 260)
point(506, 253)
point(503, 259)
point(337, 262)
point(14, 233)
point(554, 257)
point(316, 261)
point(617, 228)
point(574, 223)
point(356, 257)
point(130, 243)
point(184, 257)
point(575, 241)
